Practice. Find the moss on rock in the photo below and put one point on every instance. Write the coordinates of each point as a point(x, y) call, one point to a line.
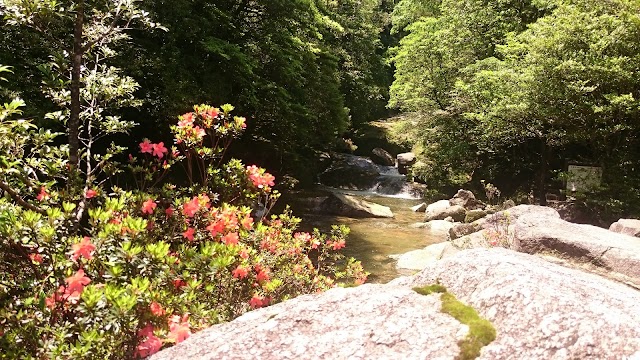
point(481, 331)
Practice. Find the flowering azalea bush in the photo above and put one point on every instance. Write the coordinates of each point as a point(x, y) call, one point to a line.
point(155, 263)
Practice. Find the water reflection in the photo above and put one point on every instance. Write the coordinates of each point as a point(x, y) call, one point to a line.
point(371, 240)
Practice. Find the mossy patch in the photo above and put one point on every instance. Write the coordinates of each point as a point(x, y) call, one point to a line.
point(481, 331)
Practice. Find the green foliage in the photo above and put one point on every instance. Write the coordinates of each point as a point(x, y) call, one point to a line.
point(508, 91)
point(153, 265)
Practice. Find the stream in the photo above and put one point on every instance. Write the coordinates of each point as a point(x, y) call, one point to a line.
point(371, 240)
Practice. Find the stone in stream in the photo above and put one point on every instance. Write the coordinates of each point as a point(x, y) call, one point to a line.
point(466, 199)
point(382, 157)
point(347, 205)
point(419, 259)
point(440, 210)
point(350, 172)
point(419, 207)
point(405, 160)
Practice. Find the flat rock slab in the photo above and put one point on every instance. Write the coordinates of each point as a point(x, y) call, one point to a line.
point(627, 227)
point(419, 259)
point(367, 322)
point(540, 310)
point(347, 205)
point(617, 254)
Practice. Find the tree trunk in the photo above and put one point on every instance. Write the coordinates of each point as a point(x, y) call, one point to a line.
point(542, 175)
point(74, 116)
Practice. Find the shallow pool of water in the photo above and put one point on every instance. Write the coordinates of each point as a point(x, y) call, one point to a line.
point(372, 240)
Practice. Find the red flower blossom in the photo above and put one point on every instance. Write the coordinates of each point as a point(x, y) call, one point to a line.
point(35, 257)
point(156, 309)
point(240, 272)
point(75, 285)
point(262, 275)
point(83, 248)
point(258, 301)
point(146, 147)
point(230, 239)
point(159, 150)
point(247, 222)
point(189, 233)
point(259, 177)
point(337, 245)
point(51, 301)
point(199, 132)
point(90, 193)
point(179, 328)
point(215, 227)
point(169, 211)
point(190, 208)
point(244, 254)
point(178, 283)
point(150, 345)
point(43, 194)
point(302, 236)
point(212, 112)
point(148, 206)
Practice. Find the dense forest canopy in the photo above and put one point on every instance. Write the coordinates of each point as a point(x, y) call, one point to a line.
point(509, 90)
point(302, 70)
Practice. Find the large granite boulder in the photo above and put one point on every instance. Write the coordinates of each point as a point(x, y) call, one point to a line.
point(382, 157)
point(367, 322)
point(419, 259)
point(627, 227)
point(597, 249)
point(350, 172)
point(466, 199)
point(441, 210)
point(351, 206)
point(540, 310)
point(405, 161)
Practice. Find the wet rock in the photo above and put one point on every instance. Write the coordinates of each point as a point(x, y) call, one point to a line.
point(419, 259)
point(382, 157)
point(366, 322)
point(350, 172)
point(419, 207)
point(626, 226)
point(405, 160)
point(346, 205)
point(540, 310)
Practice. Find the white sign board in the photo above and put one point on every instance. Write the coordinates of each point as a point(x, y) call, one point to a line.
point(583, 178)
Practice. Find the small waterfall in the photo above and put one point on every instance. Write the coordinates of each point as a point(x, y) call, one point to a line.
point(373, 179)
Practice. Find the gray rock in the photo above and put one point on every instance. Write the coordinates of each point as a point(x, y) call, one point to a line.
point(540, 310)
point(466, 199)
point(382, 157)
point(473, 215)
point(405, 160)
point(419, 207)
point(601, 250)
point(439, 227)
point(367, 322)
point(419, 259)
point(508, 204)
point(350, 172)
point(473, 240)
point(456, 212)
point(347, 205)
point(460, 230)
point(627, 227)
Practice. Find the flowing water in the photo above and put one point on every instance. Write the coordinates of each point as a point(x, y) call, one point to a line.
point(372, 240)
